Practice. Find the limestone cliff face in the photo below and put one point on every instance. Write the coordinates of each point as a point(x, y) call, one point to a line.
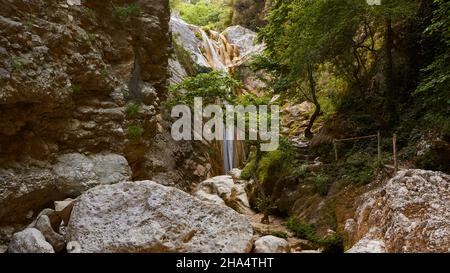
point(68, 72)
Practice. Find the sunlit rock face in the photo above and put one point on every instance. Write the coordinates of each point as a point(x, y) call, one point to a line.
point(409, 213)
point(148, 217)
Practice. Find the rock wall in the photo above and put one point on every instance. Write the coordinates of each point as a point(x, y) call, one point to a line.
point(407, 214)
point(68, 73)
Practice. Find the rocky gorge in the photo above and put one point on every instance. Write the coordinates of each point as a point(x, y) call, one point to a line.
point(88, 164)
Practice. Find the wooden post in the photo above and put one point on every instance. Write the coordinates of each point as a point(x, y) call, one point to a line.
point(335, 150)
point(379, 148)
point(394, 147)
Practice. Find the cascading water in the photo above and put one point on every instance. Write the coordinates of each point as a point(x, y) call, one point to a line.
point(222, 56)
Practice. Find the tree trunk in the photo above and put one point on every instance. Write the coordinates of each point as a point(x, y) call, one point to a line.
point(389, 74)
point(312, 87)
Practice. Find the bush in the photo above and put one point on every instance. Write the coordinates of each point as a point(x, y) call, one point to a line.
point(125, 11)
point(87, 12)
point(17, 64)
point(134, 131)
point(279, 234)
point(264, 205)
point(321, 183)
point(76, 89)
point(246, 173)
point(301, 229)
point(332, 244)
point(132, 109)
point(360, 168)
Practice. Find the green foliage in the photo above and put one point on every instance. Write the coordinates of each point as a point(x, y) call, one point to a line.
point(332, 244)
point(134, 131)
point(279, 234)
point(76, 89)
point(321, 183)
point(213, 87)
point(126, 11)
point(360, 168)
point(264, 205)
point(17, 64)
point(199, 35)
point(249, 168)
point(433, 88)
point(215, 14)
point(269, 162)
point(301, 229)
point(132, 109)
point(87, 12)
point(183, 56)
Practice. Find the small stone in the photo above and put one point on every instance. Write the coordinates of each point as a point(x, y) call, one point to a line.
point(30, 240)
point(271, 244)
point(64, 208)
point(44, 226)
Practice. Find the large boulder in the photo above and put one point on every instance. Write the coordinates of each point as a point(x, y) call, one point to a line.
point(149, 217)
point(408, 213)
point(76, 173)
point(271, 244)
point(30, 240)
point(23, 190)
point(223, 190)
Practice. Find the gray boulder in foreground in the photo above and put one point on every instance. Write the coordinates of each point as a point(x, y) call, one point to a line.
point(149, 217)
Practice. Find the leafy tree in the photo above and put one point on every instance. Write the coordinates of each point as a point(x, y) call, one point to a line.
point(434, 86)
point(214, 87)
point(303, 35)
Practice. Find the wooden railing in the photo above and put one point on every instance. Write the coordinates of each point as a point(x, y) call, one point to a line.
point(378, 137)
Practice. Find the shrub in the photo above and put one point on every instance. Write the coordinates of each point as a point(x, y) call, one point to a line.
point(76, 89)
point(134, 131)
point(17, 64)
point(279, 234)
point(332, 244)
point(132, 109)
point(125, 11)
point(301, 229)
point(87, 12)
point(246, 173)
point(321, 183)
point(264, 205)
point(360, 168)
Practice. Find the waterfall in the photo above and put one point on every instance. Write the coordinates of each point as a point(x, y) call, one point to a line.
point(222, 56)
